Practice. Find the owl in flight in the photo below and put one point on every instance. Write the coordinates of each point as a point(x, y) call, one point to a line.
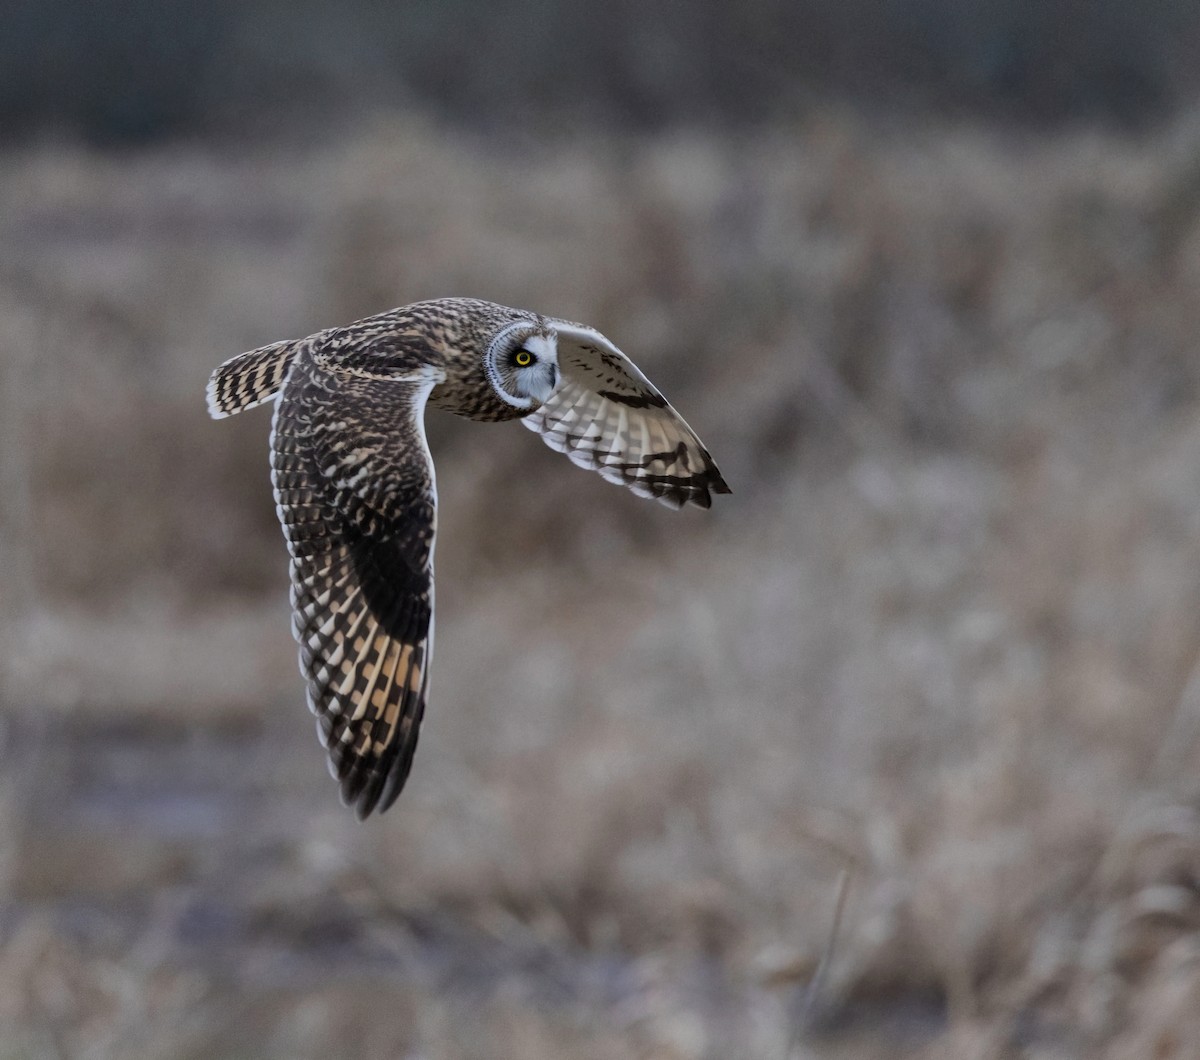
point(354, 487)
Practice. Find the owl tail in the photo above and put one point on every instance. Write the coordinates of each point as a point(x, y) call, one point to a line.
point(249, 379)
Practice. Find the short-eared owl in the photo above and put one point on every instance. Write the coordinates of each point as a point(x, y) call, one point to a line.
point(354, 487)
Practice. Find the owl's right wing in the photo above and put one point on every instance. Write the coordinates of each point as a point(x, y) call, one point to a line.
point(607, 416)
point(355, 491)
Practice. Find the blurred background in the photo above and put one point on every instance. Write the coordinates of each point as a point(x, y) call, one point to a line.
point(922, 273)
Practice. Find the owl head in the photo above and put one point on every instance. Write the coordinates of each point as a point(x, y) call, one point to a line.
point(521, 362)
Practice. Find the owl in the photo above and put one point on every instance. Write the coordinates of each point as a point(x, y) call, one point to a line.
point(355, 489)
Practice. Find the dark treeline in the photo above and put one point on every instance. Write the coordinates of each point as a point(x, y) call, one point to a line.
point(144, 70)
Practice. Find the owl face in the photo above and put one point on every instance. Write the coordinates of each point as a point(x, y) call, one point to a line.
point(522, 365)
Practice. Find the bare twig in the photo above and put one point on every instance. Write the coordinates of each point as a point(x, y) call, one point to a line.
point(804, 1007)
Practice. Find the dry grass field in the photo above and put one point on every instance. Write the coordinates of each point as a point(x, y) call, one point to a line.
point(944, 637)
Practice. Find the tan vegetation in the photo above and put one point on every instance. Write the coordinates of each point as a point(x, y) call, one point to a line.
point(944, 634)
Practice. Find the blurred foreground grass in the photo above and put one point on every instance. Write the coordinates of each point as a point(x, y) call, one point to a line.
point(944, 633)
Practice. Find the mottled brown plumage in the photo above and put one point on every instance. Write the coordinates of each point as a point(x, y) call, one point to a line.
point(355, 492)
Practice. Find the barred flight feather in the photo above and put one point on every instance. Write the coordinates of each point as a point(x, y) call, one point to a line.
point(249, 379)
point(606, 416)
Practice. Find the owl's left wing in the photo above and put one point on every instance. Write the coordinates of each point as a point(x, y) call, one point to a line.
point(354, 486)
point(605, 415)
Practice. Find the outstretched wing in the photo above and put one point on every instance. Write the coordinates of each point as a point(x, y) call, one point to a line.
point(607, 416)
point(354, 489)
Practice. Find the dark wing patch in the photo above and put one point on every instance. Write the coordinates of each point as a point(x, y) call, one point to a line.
point(606, 416)
point(354, 488)
point(635, 401)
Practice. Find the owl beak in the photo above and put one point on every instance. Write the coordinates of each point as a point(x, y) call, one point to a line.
point(547, 380)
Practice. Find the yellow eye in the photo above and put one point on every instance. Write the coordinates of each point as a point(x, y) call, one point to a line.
point(523, 358)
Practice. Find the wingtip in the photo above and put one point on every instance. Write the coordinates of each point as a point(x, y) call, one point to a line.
point(716, 481)
point(365, 804)
point(714, 484)
point(374, 793)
